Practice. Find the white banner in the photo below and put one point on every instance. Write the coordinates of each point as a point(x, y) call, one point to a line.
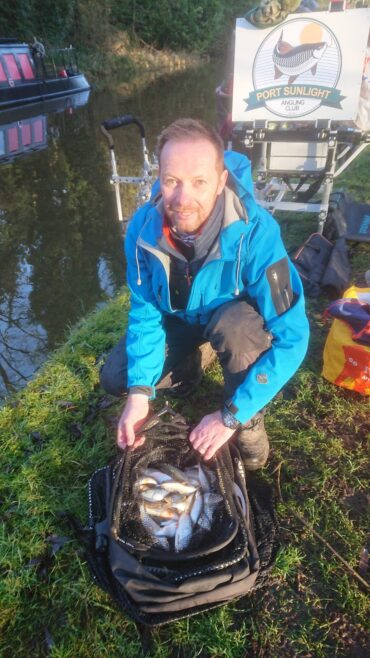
point(310, 65)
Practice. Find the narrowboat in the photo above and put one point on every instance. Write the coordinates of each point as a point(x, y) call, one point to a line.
point(29, 75)
point(24, 129)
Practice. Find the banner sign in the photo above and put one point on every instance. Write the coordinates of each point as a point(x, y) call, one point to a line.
point(310, 65)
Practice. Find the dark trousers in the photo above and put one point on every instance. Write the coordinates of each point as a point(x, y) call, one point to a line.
point(235, 331)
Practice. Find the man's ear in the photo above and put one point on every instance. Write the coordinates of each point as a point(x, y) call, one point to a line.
point(222, 181)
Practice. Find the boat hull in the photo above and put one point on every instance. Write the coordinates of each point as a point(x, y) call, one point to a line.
point(42, 90)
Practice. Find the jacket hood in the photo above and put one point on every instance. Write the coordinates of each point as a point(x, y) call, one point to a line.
point(240, 177)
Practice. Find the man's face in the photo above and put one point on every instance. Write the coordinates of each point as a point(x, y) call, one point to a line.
point(191, 180)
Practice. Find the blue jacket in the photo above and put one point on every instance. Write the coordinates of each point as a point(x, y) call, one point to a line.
point(245, 263)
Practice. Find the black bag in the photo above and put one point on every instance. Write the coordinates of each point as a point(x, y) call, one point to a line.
point(154, 586)
point(347, 218)
point(322, 265)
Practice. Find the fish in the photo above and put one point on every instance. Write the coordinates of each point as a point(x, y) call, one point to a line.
point(183, 533)
point(204, 522)
point(160, 512)
point(196, 507)
point(211, 501)
point(154, 494)
point(293, 61)
point(174, 472)
point(203, 481)
point(175, 504)
point(144, 483)
point(158, 476)
point(167, 530)
point(179, 487)
point(152, 527)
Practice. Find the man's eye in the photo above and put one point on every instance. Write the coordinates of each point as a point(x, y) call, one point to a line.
point(170, 182)
point(200, 182)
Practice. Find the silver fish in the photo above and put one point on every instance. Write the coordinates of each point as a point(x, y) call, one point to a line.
point(181, 506)
point(183, 533)
point(178, 487)
point(203, 480)
point(152, 528)
point(204, 522)
point(145, 482)
point(154, 495)
point(167, 530)
point(158, 476)
point(174, 472)
point(160, 512)
point(295, 61)
point(211, 501)
point(196, 507)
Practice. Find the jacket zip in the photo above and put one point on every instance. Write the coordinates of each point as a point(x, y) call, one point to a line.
point(191, 283)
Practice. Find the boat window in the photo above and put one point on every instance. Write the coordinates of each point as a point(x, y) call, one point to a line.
point(26, 134)
point(2, 142)
point(38, 132)
point(26, 67)
point(13, 140)
point(3, 76)
point(12, 67)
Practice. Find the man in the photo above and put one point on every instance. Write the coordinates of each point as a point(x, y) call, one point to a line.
point(206, 263)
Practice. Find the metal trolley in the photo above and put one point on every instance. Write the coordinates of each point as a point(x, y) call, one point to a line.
point(149, 169)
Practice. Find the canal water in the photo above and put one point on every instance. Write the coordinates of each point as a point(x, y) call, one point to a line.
point(61, 249)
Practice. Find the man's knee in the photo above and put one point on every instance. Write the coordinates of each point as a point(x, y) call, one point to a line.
point(237, 327)
point(113, 374)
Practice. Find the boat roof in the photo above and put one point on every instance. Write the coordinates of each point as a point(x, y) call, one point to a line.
point(5, 42)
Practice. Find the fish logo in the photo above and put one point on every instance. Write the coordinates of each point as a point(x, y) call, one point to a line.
point(296, 70)
point(293, 62)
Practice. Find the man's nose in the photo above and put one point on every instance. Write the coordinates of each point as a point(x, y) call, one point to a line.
point(182, 195)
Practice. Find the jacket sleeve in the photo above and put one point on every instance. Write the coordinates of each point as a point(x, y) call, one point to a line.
point(145, 343)
point(273, 283)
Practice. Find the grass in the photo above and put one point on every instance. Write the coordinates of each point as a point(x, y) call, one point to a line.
point(57, 431)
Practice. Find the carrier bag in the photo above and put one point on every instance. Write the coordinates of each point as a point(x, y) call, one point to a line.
point(153, 578)
point(322, 265)
point(347, 347)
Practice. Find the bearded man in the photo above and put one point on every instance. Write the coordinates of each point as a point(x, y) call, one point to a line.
point(206, 264)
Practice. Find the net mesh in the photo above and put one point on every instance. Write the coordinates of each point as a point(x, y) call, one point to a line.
point(166, 522)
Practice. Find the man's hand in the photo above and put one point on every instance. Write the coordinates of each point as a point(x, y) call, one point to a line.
point(134, 414)
point(210, 435)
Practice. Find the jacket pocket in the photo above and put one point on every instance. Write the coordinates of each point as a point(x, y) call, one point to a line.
point(278, 276)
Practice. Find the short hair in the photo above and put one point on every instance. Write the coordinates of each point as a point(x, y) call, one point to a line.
point(183, 129)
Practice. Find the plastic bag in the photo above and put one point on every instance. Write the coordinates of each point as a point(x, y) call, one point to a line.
point(346, 354)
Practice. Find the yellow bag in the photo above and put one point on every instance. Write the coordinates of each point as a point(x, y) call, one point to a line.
point(346, 362)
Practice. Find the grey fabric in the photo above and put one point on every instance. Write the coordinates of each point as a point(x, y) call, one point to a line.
point(182, 360)
point(235, 332)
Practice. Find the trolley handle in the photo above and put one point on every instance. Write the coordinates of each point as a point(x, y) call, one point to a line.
point(126, 120)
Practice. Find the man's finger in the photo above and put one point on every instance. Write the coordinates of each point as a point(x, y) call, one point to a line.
point(139, 441)
point(130, 434)
point(203, 445)
point(121, 437)
point(215, 445)
point(197, 438)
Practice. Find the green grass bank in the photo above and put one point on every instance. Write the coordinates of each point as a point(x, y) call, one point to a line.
point(61, 427)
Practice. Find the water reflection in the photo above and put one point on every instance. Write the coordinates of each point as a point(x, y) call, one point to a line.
point(60, 244)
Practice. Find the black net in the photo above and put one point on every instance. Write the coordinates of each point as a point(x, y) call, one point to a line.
point(173, 508)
